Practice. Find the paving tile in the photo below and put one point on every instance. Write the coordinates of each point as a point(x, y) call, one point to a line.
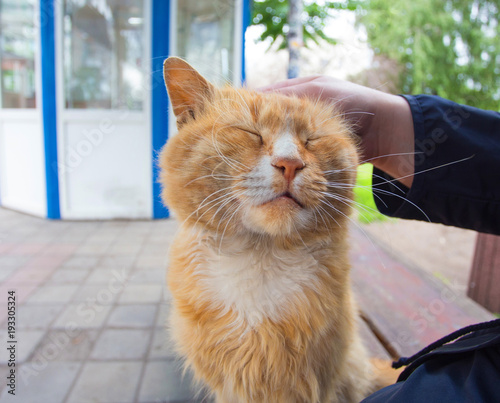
point(4, 371)
point(36, 316)
point(151, 261)
point(116, 262)
point(59, 249)
point(121, 344)
point(104, 294)
point(145, 293)
point(105, 275)
point(23, 292)
point(6, 247)
point(7, 261)
point(133, 316)
point(5, 272)
point(42, 382)
point(69, 276)
point(124, 249)
point(133, 239)
point(157, 276)
point(74, 344)
point(31, 275)
point(107, 382)
point(163, 382)
point(53, 293)
point(83, 315)
point(163, 312)
point(28, 248)
point(162, 346)
point(91, 249)
point(102, 238)
point(80, 262)
point(46, 262)
point(27, 340)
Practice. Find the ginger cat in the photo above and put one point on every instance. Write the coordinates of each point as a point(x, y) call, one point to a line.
point(259, 273)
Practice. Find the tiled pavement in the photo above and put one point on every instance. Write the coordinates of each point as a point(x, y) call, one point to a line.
point(91, 308)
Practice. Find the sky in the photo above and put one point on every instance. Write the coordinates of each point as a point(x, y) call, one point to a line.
point(350, 56)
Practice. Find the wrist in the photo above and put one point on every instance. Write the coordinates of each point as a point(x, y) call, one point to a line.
point(393, 128)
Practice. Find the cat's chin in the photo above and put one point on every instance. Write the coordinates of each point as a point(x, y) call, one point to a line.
point(282, 216)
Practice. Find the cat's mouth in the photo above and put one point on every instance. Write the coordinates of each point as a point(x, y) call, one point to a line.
point(286, 197)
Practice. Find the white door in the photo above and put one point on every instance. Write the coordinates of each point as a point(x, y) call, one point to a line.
point(104, 117)
point(22, 164)
point(208, 34)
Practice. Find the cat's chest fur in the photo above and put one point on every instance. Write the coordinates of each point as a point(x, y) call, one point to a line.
point(258, 282)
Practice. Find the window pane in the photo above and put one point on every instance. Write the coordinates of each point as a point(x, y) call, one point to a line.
point(205, 37)
point(17, 53)
point(103, 54)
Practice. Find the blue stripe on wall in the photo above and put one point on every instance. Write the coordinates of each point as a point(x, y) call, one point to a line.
point(49, 116)
point(246, 21)
point(160, 21)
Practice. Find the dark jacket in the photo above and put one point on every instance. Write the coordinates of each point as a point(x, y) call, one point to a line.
point(457, 168)
point(457, 182)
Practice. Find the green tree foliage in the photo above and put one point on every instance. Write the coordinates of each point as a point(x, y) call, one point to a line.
point(448, 48)
point(273, 16)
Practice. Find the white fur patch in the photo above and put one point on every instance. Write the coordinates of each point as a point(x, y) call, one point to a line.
point(259, 283)
point(259, 182)
point(285, 147)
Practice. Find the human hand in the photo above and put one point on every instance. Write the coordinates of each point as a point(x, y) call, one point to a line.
point(383, 121)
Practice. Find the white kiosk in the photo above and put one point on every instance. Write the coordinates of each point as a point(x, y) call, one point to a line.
point(83, 108)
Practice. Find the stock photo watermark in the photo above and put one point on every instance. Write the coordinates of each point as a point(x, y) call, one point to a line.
point(11, 341)
point(425, 315)
point(87, 311)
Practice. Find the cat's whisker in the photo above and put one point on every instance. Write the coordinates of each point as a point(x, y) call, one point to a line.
point(221, 200)
point(229, 211)
point(429, 169)
point(342, 114)
point(355, 113)
point(224, 158)
point(229, 161)
point(386, 192)
point(220, 177)
point(229, 200)
point(227, 224)
point(315, 217)
point(360, 228)
point(384, 181)
point(347, 201)
point(201, 205)
point(320, 209)
point(339, 185)
point(370, 159)
point(382, 191)
point(298, 233)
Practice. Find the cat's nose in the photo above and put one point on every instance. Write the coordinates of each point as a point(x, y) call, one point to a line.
point(288, 166)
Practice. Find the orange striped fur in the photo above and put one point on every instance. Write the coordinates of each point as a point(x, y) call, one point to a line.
point(259, 272)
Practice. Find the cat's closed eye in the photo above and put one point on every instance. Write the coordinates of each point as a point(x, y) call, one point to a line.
point(310, 140)
point(254, 133)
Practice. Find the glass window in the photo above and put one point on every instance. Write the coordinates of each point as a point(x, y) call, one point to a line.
point(17, 53)
point(103, 53)
point(205, 37)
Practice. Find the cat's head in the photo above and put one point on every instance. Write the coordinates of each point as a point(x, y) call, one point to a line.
point(250, 163)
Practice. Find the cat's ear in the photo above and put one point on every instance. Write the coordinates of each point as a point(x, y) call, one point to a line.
point(187, 89)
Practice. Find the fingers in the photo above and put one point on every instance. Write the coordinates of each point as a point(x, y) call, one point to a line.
point(284, 85)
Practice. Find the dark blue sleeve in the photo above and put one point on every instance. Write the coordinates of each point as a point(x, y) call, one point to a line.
point(467, 370)
point(457, 168)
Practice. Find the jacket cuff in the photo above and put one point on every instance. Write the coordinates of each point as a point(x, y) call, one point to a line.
point(392, 198)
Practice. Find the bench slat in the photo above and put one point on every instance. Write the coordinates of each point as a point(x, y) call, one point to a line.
point(405, 306)
point(373, 346)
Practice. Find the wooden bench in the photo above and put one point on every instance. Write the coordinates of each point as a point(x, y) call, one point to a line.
point(485, 273)
point(404, 309)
